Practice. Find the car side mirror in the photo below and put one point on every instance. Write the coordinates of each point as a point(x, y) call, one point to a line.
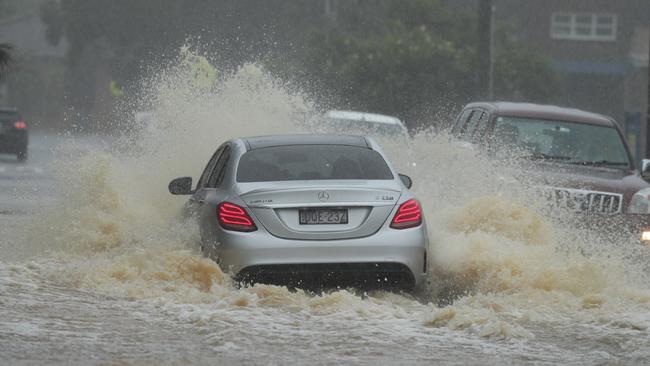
point(645, 169)
point(181, 186)
point(408, 182)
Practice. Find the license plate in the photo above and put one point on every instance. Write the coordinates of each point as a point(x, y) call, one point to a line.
point(317, 216)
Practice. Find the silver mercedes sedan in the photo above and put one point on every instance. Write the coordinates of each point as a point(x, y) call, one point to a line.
point(308, 211)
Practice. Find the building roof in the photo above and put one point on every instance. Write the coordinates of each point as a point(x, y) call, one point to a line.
point(259, 142)
point(531, 110)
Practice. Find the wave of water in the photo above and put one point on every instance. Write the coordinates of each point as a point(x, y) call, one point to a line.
point(501, 268)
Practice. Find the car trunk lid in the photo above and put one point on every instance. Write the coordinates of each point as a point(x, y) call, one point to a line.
point(349, 209)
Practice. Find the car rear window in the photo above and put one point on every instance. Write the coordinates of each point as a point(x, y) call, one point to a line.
point(311, 162)
point(9, 116)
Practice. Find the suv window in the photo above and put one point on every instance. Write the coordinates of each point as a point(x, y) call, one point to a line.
point(470, 126)
point(9, 116)
point(460, 122)
point(311, 162)
point(482, 126)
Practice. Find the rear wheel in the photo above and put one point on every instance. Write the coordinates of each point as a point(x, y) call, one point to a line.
point(21, 156)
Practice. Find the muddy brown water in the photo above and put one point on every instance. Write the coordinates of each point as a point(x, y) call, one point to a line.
point(96, 270)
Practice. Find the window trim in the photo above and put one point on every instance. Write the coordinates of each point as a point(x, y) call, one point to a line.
point(391, 174)
point(468, 130)
point(207, 172)
point(460, 121)
point(482, 126)
point(573, 25)
point(219, 169)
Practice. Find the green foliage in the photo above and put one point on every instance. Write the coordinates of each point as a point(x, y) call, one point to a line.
point(127, 38)
point(401, 57)
point(521, 74)
point(398, 72)
point(409, 58)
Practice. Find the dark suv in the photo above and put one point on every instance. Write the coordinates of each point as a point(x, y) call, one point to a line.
point(581, 160)
point(13, 133)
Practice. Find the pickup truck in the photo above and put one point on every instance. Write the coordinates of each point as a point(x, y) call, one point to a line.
point(582, 163)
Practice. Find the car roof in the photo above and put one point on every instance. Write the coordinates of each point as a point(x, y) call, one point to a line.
point(364, 117)
point(543, 111)
point(259, 142)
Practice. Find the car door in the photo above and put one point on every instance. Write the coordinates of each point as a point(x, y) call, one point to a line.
point(214, 192)
point(198, 198)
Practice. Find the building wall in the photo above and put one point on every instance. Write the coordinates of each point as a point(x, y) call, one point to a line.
point(533, 19)
point(599, 75)
point(636, 99)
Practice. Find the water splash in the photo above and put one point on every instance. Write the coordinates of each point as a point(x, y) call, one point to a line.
point(503, 264)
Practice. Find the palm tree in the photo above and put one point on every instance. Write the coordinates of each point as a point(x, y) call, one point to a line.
point(5, 56)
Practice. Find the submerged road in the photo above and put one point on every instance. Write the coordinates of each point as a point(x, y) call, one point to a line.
point(95, 280)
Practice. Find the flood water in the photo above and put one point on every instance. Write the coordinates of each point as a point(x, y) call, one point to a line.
point(96, 270)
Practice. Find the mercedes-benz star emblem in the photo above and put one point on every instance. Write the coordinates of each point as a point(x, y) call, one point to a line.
point(323, 196)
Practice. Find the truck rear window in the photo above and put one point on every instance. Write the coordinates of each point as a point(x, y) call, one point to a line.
point(311, 162)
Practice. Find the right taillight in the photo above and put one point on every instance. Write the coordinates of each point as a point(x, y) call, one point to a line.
point(234, 217)
point(409, 214)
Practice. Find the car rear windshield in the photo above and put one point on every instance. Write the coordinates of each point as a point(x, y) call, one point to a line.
point(9, 116)
point(311, 162)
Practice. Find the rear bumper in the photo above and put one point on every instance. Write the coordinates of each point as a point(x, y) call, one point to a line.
point(13, 141)
point(397, 255)
point(331, 275)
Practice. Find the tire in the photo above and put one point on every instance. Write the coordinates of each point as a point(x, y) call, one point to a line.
point(21, 156)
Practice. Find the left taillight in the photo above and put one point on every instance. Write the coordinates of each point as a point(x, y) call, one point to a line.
point(21, 125)
point(234, 217)
point(409, 214)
